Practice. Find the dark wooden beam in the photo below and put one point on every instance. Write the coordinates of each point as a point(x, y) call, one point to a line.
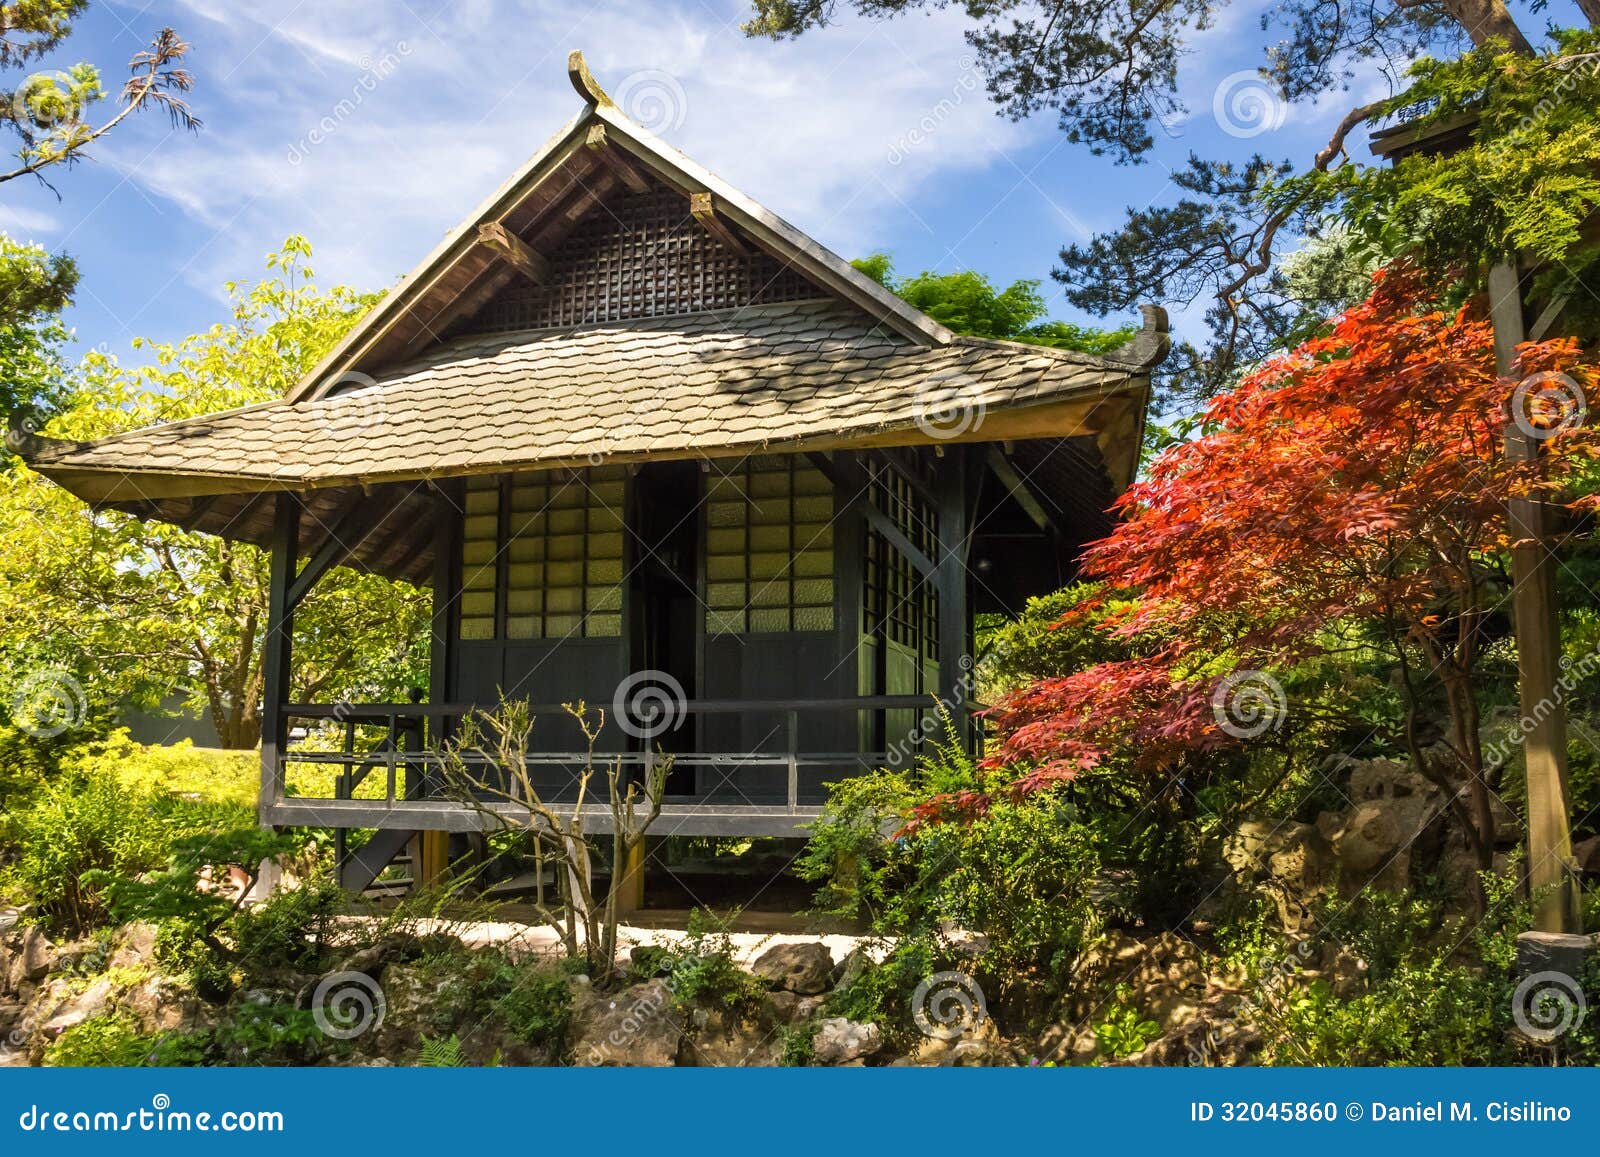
point(198, 509)
point(448, 510)
point(278, 649)
point(1017, 486)
point(353, 528)
point(702, 206)
point(614, 160)
point(491, 282)
point(861, 502)
point(955, 622)
point(521, 256)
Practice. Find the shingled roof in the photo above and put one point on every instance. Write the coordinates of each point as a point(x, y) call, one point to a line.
point(627, 245)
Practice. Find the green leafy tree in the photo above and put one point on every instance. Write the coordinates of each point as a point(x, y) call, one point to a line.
point(34, 288)
point(143, 608)
point(46, 110)
point(1111, 74)
point(969, 303)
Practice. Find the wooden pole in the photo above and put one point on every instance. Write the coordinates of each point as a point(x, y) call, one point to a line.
point(951, 583)
point(277, 650)
point(1533, 594)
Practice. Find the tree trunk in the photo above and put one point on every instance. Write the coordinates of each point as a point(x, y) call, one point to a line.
point(1486, 20)
point(1591, 11)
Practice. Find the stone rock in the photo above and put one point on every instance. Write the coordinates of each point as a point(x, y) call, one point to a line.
point(135, 946)
point(961, 942)
point(91, 1002)
point(726, 1039)
point(1396, 818)
point(1291, 862)
point(33, 959)
point(637, 1026)
point(805, 967)
point(160, 1005)
point(1561, 952)
point(1587, 854)
point(783, 1005)
point(838, 1041)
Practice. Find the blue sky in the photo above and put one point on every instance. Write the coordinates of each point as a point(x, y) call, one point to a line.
point(373, 126)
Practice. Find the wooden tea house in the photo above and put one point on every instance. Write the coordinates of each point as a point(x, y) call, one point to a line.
point(655, 449)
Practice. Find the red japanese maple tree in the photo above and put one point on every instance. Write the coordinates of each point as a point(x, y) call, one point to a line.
point(1359, 477)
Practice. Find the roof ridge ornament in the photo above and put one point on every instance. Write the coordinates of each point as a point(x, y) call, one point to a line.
point(583, 80)
point(1149, 347)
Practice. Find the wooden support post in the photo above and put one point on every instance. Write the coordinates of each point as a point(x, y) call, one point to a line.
point(448, 500)
point(432, 858)
point(955, 652)
point(1550, 866)
point(278, 649)
point(630, 885)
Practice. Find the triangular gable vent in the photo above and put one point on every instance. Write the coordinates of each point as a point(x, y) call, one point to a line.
point(639, 255)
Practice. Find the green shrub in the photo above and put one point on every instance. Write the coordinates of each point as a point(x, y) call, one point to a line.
point(1432, 995)
point(1124, 1031)
point(1023, 876)
point(181, 771)
point(882, 993)
point(536, 1007)
point(74, 826)
point(271, 1034)
point(112, 1041)
point(701, 968)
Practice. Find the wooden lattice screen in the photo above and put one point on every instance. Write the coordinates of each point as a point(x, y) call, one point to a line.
point(636, 256)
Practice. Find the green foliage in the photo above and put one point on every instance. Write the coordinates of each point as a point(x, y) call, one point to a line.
point(1434, 994)
point(1526, 182)
point(969, 304)
point(35, 287)
point(1038, 644)
point(441, 1053)
point(271, 1034)
point(112, 1041)
point(1023, 875)
point(701, 970)
point(205, 927)
point(198, 603)
point(882, 994)
point(536, 1006)
point(1124, 1031)
point(74, 826)
point(530, 1000)
point(857, 870)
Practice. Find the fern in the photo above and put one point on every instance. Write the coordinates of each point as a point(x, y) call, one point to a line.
point(441, 1053)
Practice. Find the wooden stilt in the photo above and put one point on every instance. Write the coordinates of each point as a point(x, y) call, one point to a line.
point(432, 857)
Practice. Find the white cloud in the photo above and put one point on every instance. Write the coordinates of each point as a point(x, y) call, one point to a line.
point(19, 221)
point(808, 128)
